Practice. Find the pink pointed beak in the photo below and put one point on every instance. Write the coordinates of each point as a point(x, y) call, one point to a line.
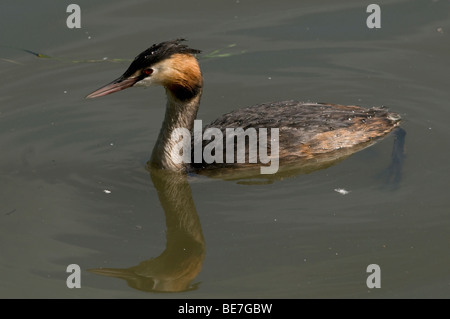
point(115, 86)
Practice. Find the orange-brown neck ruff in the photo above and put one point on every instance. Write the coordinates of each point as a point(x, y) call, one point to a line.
point(184, 80)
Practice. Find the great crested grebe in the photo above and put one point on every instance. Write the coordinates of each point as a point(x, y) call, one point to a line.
point(306, 130)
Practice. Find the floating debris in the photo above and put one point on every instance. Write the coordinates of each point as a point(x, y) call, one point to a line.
point(39, 55)
point(9, 213)
point(11, 61)
point(220, 54)
point(341, 191)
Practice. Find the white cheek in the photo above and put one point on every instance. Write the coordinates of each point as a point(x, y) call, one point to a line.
point(145, 82)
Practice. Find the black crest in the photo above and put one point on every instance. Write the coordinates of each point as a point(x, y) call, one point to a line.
point(157, 53)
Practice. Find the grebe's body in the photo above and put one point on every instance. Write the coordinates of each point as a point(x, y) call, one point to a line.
point(306, 130)
point(312, 131)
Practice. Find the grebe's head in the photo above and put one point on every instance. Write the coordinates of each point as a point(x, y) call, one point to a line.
point(170, 64)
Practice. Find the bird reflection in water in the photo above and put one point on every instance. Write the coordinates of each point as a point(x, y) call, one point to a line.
point(179, 264)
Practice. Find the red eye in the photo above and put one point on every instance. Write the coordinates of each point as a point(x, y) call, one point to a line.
point(148, 71)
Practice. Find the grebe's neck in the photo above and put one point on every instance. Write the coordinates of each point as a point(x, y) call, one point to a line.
point(179, 114)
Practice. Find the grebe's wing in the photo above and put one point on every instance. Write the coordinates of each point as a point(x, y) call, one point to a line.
point(313, 123)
